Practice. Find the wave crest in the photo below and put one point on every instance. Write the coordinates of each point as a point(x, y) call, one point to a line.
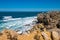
point(17, 24)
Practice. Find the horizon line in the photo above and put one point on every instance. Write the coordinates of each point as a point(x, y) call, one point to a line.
point(30, 9)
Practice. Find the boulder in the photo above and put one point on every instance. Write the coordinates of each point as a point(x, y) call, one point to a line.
point(55, 35)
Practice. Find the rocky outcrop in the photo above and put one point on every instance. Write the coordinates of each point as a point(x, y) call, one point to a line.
point(8, 35)
point(34, 35)
point(49, 19)
point(47, 28)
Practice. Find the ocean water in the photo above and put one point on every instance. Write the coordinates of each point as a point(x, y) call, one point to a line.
point(17, 21)
point(18, 14)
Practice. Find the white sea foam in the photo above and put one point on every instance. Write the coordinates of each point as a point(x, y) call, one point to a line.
point(18, 24)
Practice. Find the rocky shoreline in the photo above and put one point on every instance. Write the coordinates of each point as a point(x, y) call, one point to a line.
point(47, 28)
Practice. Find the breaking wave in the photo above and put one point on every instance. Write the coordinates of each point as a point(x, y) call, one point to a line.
point(17, 24)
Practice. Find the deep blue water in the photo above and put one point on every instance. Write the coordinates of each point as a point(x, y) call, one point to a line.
point(18, 14)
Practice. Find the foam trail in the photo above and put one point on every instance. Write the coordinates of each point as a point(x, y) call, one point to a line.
point(17, 24)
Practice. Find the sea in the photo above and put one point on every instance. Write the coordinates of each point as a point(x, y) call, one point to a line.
point(18, 21)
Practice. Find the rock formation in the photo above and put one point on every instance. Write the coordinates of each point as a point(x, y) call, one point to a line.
point(47, 28)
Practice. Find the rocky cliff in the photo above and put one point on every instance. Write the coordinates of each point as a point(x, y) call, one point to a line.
point(47, 28)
